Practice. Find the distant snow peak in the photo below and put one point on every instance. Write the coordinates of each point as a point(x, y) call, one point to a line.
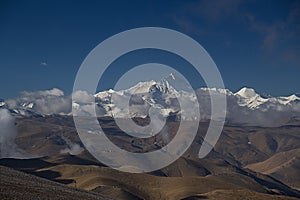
point(243, 107)
point(2, 103)
point(141, 87)
point(171, 76)
point(293, 97)
point(111, 91)
point(164, 86)
point(246, 92)
point(27, 105)
point(288, 99)
point(249, 98)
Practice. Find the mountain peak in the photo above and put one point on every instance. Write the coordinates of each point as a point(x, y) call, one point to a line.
point(246, 92)
point(172, 76)
point(293, 97)
point(2, 103)
point(289, 99)
point(141, 87)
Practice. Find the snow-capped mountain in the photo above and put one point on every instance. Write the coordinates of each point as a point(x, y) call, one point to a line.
point(141, 97)
point(249, 98)
point(245, 106)
point(2, 103)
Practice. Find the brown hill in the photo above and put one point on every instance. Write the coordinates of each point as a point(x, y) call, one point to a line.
point(187, 178)
point(284, 166)
point(225, 168)
point(19, 185)
point(236, 195)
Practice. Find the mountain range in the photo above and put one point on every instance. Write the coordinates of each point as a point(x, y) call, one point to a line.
point(244, 107)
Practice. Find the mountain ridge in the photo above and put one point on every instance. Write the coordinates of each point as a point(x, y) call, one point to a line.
point(245, 106)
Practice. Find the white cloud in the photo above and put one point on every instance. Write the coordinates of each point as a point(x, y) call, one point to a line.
point(44, 64)
point(8, 133)
point(52, 92)
point(45, 102)
point(73, 148)
point(82, 97)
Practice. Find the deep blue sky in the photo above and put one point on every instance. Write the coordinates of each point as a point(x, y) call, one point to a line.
point(254, 43)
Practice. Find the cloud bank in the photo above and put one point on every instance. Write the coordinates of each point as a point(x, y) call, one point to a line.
point(45, 102)
point(8, 133)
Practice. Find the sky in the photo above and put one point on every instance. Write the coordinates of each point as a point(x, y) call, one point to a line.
point(254, 43)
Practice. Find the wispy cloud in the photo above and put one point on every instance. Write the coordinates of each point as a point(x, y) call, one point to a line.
point(73, 148)
point(210, 11)
point(215, 10)
point(279, 38)
point(282, 36)
point(269, 32)
point(44, 64)
point(8, 133)
point(187, 25)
